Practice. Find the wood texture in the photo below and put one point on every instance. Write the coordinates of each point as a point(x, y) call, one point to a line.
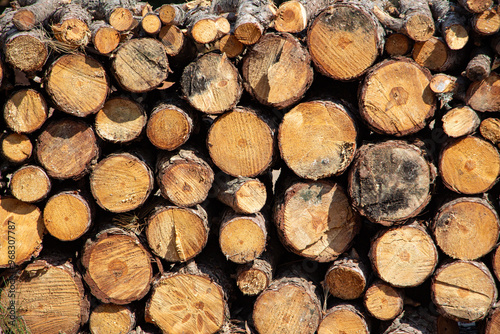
point(111, 318)
point(242, 194)
point(343, 318)
point(16, 148)
point(30, 184)
point(169, 126)
point(460, 121)
point(383, 301)
point(25, 111)
point(347, 277)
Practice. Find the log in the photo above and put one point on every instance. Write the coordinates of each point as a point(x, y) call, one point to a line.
point(253, 277)
point(482, 95)
point(443, 83)
point(117, 268)
point(244, 195)
point(120, 120)
point(231, 46)
point(30, 184)
point(277, 70)
point(490, 129)
point(486, 22)
point(140, 65)
point(479, 66)
point(27, 17)
point(173, 14)
point(343, 318)
point(293, 16)
point(211, 84)
point(151, 23)
point(121, 182)
point(25, 111)
point(397, 44)
point(383, 301)
point(66, 148)
point(173, 39)
point(22, 231)
point(460, 121)
point(476, 6)
point(314, 219)
point(241, 143)
point(118, 13)
point(111, 318)
point(70, 25)
point(16, 148)
point(77, 84)
point(493, 322)
point(177, 234)
point(390, 181)
point(169, 126)
point(184, 177)
point(395, 97)
point(469, 165)
point(68, 215)
point(242, 238)
point(404, 256)
point(344, 40)
point(466, 228)
point(104, 37)
point(205, 27)
point(26, 51)
point(463, 290)
point(191, 300)
point(451, 23)
point(435, 55)
point(347, 277)
point(49, 298)
point(317, 139)
point(253, 18)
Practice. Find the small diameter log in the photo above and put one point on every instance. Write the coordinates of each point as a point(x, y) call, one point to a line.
point(27, 50)
point(486, 22)
point(252, 278)
point(397, 44)
point(169, 126)
point(241, 143)
point(476, 6)
point(395, 97)
point(343, 318)
point(483, 95)
point(24, 241)
point(184, 177)
point(140, 65)
point(117, 267)
point(404, 256)
point(104, 37)
point(67, 215)
point(30, 184)
point(469, 165)
point(390, 181)
point(463, 290)
point(277, 70)
point(212, 84)
point(244, 195)
point(490, 129)
point(242, 238)
point(347, 277)
point(443, 83)
point(205, 27)
point(435, 55)
point(177, 234)
point(253, 18)
point(383, 301)
point(120, 120)
point(111, 318)
point(460, 121)
point(27, 17)
point(294, 16)
point(493, 321)
point(25, 111)
point(451, 23)
point(173, 14)
point(121, 182)
point(287, 305)
point(345, 40)
point(49, 298)
point(318, 139)
point(414, 320)
point(120, 18)
point(151, 23)
point(173, 39)
point(66, 148)
point(231, 46)
point(188, 301)
point(479, 66)
point(314, 220)
point(77, 84)
point(466, 228)
point(70, 25)
point(16, 148)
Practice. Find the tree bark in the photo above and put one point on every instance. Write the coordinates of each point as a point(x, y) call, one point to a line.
point(435, 55)
point(253, 277)
point(343, 318)
point(16, 148)
point(347, 277)
point(295, 15)
point(383, 301)
point(27, 17)
point(169, 126)
point(479, 66)
point(253, 18)
point(172, 14)
point(482, 95)
point(30, 184)
point(104, 37)
point(451, 23)
point(413, 321)
point(486, 22)
point(244, 195)
point(106, 318)
point(460, 121)
point(70, 25)
point(25, 111)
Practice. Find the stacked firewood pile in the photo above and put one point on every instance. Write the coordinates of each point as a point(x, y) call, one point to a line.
point(239, 166)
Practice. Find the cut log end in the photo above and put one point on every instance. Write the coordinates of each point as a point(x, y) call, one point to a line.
point(252, 282)
point(490, 129)
point(106, 40)
point(291, 17)
point(343, 318)
point(169, 127)
point(151, 23)
point(420, 27)
point(398, 44)
point(172, 38)
point(26, 52)
point(73, 32)
point(231, 46)
point(30, 184)
point(121, 19)
point(346, 278)
point(24, 19)
point(248, 33)
point(456, 36)
point(110, 317)
point(383, 301)
point(16, 148)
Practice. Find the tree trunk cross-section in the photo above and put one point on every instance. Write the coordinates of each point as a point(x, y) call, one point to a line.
point(346, 278)
point(26, 51)
point(25, 111)
point(16, 148)
point(383, 301)
point(111, 318)
point(30, 184)
point(343, 318)
point(484, 95)
point(169, 126)
point(242, 194)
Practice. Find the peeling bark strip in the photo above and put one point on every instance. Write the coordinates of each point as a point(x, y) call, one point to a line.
point(345, 40)
point(314, 220)
point(390, 182)
point(295, 15)
point(254, 16)
point(395, 97)
point(277, 70)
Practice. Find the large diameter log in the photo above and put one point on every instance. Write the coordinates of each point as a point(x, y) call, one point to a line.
point(25, 111)
point(241, 143)
point(483, 95)
point(317, 139)
point(212, 84)
point(343, 318)
point(117, 267)
point(177, 234)
point(345, 40)
point(315, 220)
point(395, 97)
point(466, 228)
point(347, 277)
point(121, 182)
point(26, 51)
point(404, 256)
point(16, 148)
point(277, 70)
point(77, 84)
point(390, 181)
point(242, 194)
point(30, 184)
point(463, 290)
point(22, 231)
point(383, 301)
point(66, 148)
point(469, 165)
point(49, 298)
point(140, 65)
point(111, 318)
